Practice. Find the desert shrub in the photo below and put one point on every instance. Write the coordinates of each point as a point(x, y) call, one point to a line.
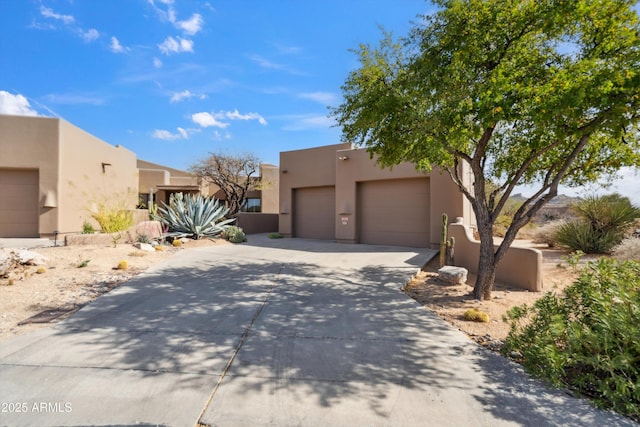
point(475, 315)
point(275, 236)
point(234, 234)
point(112, 220)
point(601, 224)
point(87, 228)
point(143, 238)
point(587, 339)
point(547, 233)
point(194, 215)
point(628, 249)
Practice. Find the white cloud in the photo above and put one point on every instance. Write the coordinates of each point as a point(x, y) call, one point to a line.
point(307, 121)
point(171, 45)
point(271, 65)
point(16, 105)
point(116, 47)
point(325, 98)
point(185, 94)
point(170, 136)
point(235, 115)
point(157, 63)
point(192, 25)
point(206, 120)
point(89, 35)
point(49, 13)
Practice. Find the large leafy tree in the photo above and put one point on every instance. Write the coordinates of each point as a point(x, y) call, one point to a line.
point(537, 93)
point(235, 175)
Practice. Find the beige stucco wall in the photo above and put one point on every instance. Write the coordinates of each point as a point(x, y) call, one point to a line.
point(33, 143)
point(344, 167)
point(270, 188)
point(520, 267)
point(69, 161)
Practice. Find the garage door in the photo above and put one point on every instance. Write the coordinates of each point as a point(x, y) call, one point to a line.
point(18, 203)
point(394, 212)
point(314, 213)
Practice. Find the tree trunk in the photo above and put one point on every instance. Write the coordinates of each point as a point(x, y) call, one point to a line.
point(486, 264)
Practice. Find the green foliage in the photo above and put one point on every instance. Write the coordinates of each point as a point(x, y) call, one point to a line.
point(536, 93)
point(83, 263)
point(143, 238)
point(275, 236)
point(112, 219)
point(194, 215)
point(87, 228)
point(234, 234)
point(588, 339)
point(573, 259)
point(601, 224)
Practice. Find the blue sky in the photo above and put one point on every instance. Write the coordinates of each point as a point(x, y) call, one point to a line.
point(173, 80)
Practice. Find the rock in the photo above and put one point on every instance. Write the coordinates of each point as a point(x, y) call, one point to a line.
point(151, 229)
point(25, 257)
point(453, 275)
point(6, 262)
point(144, 247)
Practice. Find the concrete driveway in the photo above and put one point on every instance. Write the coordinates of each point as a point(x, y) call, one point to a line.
point(286, 332)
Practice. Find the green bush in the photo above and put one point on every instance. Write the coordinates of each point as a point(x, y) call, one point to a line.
point(87, 228)
point(112, 220)
point(601, 224)
point(588, 339)
point(234, 234)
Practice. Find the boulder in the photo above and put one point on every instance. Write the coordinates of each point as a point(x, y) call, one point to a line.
point(26, 257)
point(151, 229)
point(144, 247)
point(453, 275)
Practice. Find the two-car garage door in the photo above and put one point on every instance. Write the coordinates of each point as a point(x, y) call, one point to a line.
point(389, 212)
point(18, 203)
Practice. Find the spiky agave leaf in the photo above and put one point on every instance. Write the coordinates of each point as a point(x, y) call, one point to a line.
point(195, 215)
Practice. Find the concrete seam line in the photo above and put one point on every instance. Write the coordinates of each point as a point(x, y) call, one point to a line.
point(244, 336)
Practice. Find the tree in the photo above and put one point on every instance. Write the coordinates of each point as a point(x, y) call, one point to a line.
point(234, 174)
point(536, 93)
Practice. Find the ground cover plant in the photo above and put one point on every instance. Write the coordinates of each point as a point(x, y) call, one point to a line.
point(587, 339)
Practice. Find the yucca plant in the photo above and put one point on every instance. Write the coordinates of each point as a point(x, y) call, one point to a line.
point(194, 215)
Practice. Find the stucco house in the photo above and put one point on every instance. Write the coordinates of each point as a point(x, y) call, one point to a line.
point(338, 192)
point(52, 173)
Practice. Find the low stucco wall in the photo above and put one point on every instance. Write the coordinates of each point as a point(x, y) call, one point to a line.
point(520, 267)
point(253, 223)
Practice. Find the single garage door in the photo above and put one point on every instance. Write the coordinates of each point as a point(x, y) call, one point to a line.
point(18, 203)
point(314, 212)
point(394, 212)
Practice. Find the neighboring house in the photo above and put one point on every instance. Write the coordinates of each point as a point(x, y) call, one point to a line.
point(52, 173)
point(338, 193)
point(162, 181)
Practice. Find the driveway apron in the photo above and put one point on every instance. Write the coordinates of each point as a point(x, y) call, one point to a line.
point(286, 332)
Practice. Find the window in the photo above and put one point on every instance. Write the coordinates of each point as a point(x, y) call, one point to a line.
point(252, 204)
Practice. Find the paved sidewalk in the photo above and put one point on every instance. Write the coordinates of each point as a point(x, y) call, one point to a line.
point(286, 332)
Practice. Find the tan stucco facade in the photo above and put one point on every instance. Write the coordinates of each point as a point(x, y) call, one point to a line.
point(345, 179)
point(74, 169)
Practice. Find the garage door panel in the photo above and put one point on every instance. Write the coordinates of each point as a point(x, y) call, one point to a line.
point(394, 212)
point(19, 190)
point(314, 213)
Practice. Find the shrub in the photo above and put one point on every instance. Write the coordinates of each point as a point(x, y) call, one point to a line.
point(112, 220)
point(588, 339)
point(474, 315)
point(143, 238)
point(194, 215)
point(234, 234)
point(628, 249)
point(275, 236)
point(601, 224)
point(547, 233)
point(87, 228)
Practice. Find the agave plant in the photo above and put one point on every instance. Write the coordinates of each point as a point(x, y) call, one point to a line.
point(194, 215)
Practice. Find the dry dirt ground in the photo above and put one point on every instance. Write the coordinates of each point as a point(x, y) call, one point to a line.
point(73, 277)
point(35, 300)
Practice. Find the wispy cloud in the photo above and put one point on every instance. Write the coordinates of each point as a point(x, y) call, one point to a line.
point(324, 98)
point(192, 25)
point(166, 135)
point(16, 105)
point(116, 47)
point(272, 65)
point(89, 35)
point(75, 99)
point(287, 50)
point(185, 94)
point(189, 26)
point(47, 12)
point(171, 45)
point(206, 119)
point(297, 122)
point(157, 63)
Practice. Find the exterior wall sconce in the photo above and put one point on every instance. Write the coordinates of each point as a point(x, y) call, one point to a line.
point(50, 200)
point(343, 158)
point(285, 171)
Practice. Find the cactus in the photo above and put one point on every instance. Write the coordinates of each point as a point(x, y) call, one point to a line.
point(123, 265)
point(450, 250)
point(443, 241)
